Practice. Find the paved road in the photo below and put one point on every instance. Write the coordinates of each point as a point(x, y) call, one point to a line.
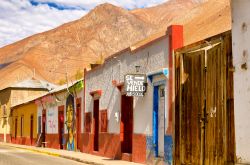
point(13, 156)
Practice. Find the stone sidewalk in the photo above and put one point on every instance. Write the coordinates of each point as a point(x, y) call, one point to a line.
point(76, 156)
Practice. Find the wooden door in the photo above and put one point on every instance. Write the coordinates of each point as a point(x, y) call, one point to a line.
point(215, 126)
point(126, 127)
point(78, 123)
point(96, 125)
point(204, 108)
point(31, 129)
point(192, 106)
point(61, 125)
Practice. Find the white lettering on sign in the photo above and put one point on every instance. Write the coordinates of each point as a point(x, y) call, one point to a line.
point(135, 85)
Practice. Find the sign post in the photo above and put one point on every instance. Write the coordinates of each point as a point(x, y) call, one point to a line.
point(135, 84)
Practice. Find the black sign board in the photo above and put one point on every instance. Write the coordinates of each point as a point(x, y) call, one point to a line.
point(135, 84)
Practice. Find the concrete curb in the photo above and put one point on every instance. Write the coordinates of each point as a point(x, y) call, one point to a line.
point(56, 155)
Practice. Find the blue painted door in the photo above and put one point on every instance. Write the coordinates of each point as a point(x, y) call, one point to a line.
point(155, 120)
point(158, 120)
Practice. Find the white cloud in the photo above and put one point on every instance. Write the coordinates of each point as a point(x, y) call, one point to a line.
point(20, 19)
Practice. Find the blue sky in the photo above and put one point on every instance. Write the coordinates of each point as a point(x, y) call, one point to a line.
point(22, 18)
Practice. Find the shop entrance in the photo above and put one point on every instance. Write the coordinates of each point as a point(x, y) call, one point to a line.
point(126, 127)
point(61, 125)
point(96, 125)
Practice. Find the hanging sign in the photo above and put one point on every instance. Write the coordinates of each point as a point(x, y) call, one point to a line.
point(135, 84)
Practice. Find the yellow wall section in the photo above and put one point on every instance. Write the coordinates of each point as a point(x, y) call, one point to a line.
point(25, 110)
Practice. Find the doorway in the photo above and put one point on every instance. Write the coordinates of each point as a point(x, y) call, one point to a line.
point(43, 126)
point(61, 125)
point(96, 125)
point(126, 127)
point(202, 135)
point(78, 123)
point(31, 129)
point(16, 127)
point(159, 120)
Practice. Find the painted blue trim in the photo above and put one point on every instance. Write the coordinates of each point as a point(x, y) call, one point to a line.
point(163, 71)
point(158, 83)
point(155, 120)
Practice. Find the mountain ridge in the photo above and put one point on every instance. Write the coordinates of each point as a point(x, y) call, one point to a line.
point(103, 31)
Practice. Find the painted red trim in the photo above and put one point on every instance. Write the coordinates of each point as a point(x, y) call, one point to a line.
point(175, 41)
point(120, 85)
point(98, 92)
point(8, 138)
point(52, 141)
point(79, 127)
point(24, 141)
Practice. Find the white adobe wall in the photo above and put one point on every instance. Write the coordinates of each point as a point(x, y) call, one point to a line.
point(151, 58)
point(39, 113)
point(241, 55)
point(52, 113)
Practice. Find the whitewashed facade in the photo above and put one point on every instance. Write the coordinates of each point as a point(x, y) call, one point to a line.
point(241, 52)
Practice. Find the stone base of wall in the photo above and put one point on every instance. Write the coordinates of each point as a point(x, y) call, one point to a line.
point(110, 146)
